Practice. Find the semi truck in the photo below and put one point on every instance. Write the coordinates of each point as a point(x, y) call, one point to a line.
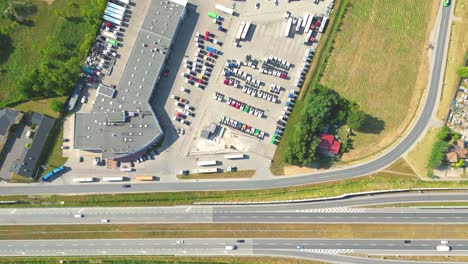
point(304, 20)
point(234, 156)
point(207, 170)
point(288, 27)
point(127, 2)
point(108, 34)
point(112, 14)
point(87, 179)
point(298, 26)
point(117, 11)
point(224, 9)
point(309, 22)
point(213, 15)
point(112, 20)
point(144, 178)
point(323, 25)
point(113, 179)
point(307, 39)
point(116, 6)
point(245, 30)
point(240, 30)
point(207, 163)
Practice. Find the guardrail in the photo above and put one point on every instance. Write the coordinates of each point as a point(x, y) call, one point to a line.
point(343, 196)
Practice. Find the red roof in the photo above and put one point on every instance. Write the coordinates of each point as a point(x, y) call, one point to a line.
point(328, 143)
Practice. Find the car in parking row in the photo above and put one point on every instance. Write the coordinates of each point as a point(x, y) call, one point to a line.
point(244, 107)
point(277, 62)
point(242, 127)
point(260, 94)
point(274, 72)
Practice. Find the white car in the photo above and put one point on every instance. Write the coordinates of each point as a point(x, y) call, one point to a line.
point(179, 241)
point(105, 220)
point(78, 215)
point(84, 99)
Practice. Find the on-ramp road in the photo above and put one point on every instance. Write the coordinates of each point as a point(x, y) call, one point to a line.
point(325, 249)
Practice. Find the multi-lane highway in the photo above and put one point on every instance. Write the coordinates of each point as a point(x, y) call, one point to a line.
point(338, 211)
point(355, 171)
point(306, 248)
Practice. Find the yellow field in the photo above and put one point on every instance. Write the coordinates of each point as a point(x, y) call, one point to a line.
point(419, 156)
point(379, 61)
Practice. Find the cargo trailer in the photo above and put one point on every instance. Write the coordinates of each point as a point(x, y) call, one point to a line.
point(245, 30)
point(234, 156)
point(207, 163)
point(288, 27)
point(304, 20)
point(112, 14)
point(116, 6)
point(240, 30)
point(309, 22)
point(117, 11)
point(87, 179)
point(323, 25)
point(224, 9)
point(298, 26)
point(113, 179)
point(112, 20)
point(208, 170)
point(144, 178)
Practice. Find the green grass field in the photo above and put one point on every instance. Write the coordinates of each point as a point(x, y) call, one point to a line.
point(375, 62)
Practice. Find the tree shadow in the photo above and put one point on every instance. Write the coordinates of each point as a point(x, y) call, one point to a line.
point(6, 48)
point(372, 125)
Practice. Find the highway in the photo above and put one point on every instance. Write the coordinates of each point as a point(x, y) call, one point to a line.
point(342, 211)
point(312, 248)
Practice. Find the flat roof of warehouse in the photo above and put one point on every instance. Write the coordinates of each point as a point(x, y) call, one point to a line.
point(99, 130)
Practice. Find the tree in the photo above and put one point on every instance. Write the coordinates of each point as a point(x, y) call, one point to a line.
point(437, 154)
point(356, 118)
point(56, 105)
point(444, 134)
point(463, 72)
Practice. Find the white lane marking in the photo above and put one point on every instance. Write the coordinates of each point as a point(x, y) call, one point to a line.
point(188, 209)
point(13, 211)
point(81, 210)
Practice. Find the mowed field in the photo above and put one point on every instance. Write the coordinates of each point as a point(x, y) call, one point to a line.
point(379, 60)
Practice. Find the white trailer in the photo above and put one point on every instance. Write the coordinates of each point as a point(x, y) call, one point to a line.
point(323, 25)
point(207, 163)
point(224, 9)
point(116, 6)
point(112, 20)
point(234, 156)
point(117, 11)
point(288, 27)
point(298, 26)
point(208, 170)
point(114, 15)
point(309, 22)
point(304, 19)
point(309, 35)
point(113, 179)
point(87, 179)
point(245, 31)
point(240, 30)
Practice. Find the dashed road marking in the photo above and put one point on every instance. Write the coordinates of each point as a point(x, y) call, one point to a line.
point(334, 210)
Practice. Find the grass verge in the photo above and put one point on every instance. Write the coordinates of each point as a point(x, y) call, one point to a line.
point(156, 260)
point(458, 46)
point(419, 156)
point(40, 106)
point(284, 230)
point(317, 67)
point(225, 175)
point(441, 204)
point(52, 153)
point(463, 259)
point(381, 181)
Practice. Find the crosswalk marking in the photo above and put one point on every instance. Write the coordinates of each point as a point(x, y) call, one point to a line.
point(334, 210)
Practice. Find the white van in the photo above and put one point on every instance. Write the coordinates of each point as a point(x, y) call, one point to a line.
point(443, 248)
point(234, 247)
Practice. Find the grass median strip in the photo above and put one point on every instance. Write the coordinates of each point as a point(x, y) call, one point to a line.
point(157, 260)
point(331, 231)
point(225, 175)
point(463, 259)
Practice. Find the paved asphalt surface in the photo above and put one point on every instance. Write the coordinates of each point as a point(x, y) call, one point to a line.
point(338, 174)
point(341, 211)
point(316, 248)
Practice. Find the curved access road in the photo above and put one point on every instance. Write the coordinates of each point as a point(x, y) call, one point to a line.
point(350, 172)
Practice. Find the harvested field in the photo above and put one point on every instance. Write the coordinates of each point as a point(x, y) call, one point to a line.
point(379, 60)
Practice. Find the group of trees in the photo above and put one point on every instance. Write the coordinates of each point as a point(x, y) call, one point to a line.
point(463, 72)
point(66, 50)
point(322, 107)
point(442, 144)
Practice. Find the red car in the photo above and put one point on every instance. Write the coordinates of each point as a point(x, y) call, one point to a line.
point(207, 33)
point(283, 76)
point(206, 38)
point(238, 105)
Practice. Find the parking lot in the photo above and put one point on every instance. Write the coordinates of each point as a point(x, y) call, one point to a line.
point(264, 39)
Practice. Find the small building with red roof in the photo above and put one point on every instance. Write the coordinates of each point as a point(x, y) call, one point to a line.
point(329, 145)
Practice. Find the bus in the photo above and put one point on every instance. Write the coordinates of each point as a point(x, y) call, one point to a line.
point(113, 179)
point(207, 170)
point(207, 163)
point(144, 178)
point(234, 156)
point(87, 179)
